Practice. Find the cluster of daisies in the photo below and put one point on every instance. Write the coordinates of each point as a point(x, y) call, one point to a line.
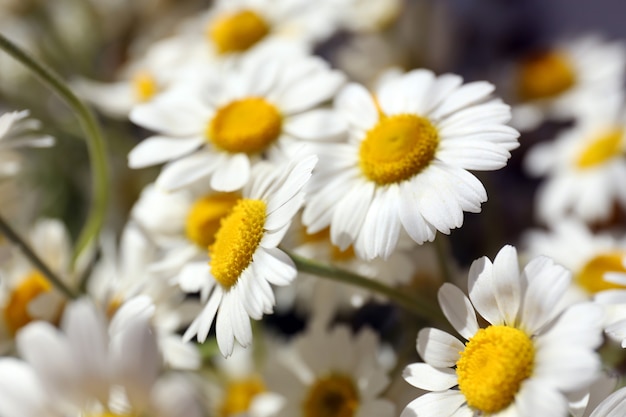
point(274, 172)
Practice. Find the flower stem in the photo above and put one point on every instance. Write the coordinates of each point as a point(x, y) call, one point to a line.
point(414, 303)
point(95, 143)
point(6, 230)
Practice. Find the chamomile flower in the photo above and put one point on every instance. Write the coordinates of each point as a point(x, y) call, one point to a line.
point(527, 359)
point(582, 164)
point(244, 259)
point(80, 370)
point(26, 294)
point(216, 128)
point(405, 164)
point(555, 82)
point(333, 373)
point(16, 131)
point(123, 284)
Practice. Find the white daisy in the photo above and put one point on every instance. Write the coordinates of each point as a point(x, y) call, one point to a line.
point(16, 131)
point(525, 362)
point(405, 165)
point(219, 126)
point(244, 259)
point(25, 293)
point(581, 165)
point(80, 370)
point(123, 284)
point(333, 374)
point(554, 83)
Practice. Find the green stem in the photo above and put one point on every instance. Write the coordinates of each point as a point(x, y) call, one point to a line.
point(95, 143)
point(443, 259)
point(34, 259)
point(414, 303)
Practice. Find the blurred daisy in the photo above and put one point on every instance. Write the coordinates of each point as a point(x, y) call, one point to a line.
point(367, 15)
point(239, 387)
point(553, 83)
point(528, 358)
point(581, 165)
point(142, 79)
point(333, 373)
point(80, 370)
point(405, 165)
point(17, 131)
point(218, 127)
point(25, 293)
point(123, 285)
point(244, 259)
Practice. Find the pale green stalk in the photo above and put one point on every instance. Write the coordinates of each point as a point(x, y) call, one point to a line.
point(95, 143)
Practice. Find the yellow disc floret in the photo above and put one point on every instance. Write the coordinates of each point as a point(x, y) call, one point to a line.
point(237, 32)
point(398, 148)
point(249, 125)
point(205, 215)
point(239, 394)
point(591, 276)
point(16, 310)
point(604, 147)
point(334, 395)
point(236, 241)
point(545, 75)
point(493, 365)
point(144, 85)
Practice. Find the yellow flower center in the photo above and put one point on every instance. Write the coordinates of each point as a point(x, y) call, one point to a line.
point(397, 148)
point(591, 276)
point(16, 311)
point(601, 149)
point(203, 219)
point(236, 241)
point(545, 75)
point(331, 396)
point(493, 365)
point(144, 85)
point(239, 395)
point(113, 305)
point(249, 125)
point(238, 31)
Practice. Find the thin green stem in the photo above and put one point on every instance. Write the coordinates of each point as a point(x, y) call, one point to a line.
point(10, 234)
point(95, 143)
point(441, 247)
point(416, 304)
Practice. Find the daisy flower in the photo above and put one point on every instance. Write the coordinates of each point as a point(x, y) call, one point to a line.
point(555, 82)
point(581, 165)
point(25, 293)
point(244, 259)
point(81, 370)
point(527, 359)
point(333, 373)
point(122, 284)
point(218, 127)
point(16, 131)
point(405, 164)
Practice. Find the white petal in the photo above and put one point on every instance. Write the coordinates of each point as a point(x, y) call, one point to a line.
point(172, 115)
point(481, 292)
point(21, 392)
point(357, 106)
point(435, 404)
point(424, 376)
point(186, 170)
point(438, 348)
point(319, 124)
point(224, 326)
point(241, 323)
point(537, 399)
point(417, 84)
point(278, 268)
point(202, 324)
point(458, 310)
point(158, 149)
point(231, 174)
point(310, 92)
point(613, 406)
point(506, 283)
point(442, 87)
point(292, 180)
point(284, 215)
point(350, 213)
point(464, 96)
point(409, 212)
